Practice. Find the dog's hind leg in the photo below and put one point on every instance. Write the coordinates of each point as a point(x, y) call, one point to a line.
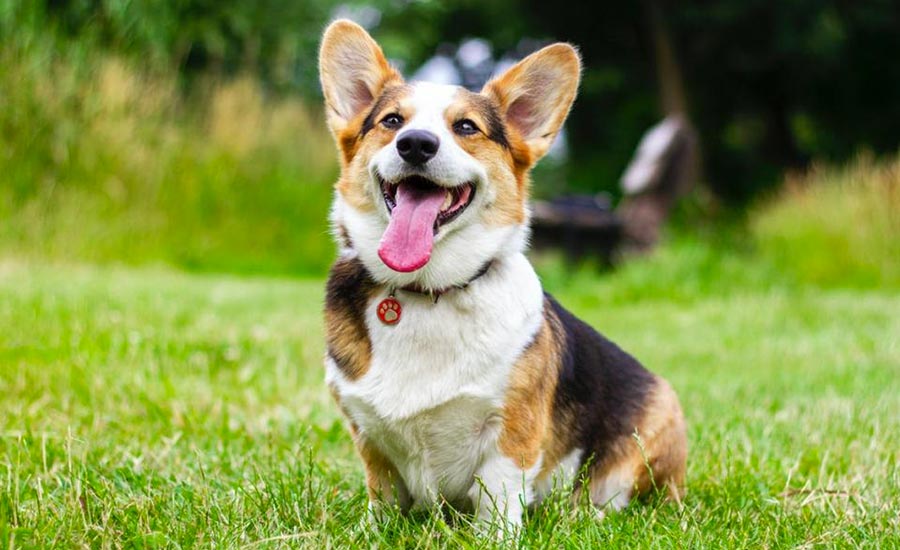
point(653, 458)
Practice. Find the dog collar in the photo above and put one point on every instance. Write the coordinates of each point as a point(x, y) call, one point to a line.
point(389, 310)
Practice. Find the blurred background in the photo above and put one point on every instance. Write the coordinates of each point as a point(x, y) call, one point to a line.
point(190, 133)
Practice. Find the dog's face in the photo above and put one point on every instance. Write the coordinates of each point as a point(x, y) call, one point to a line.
point(434, 178)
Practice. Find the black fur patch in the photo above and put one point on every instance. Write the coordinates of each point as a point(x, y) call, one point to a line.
point(346, 298)
point(489, 112)
point(601, 387)
point(344, 236)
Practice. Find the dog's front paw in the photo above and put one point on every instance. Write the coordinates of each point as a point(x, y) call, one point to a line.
point(378, 513)
point(374, 513)
point(498, 515)
point(499, 528)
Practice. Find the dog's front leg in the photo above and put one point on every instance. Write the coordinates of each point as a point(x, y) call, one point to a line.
point(501, 491)
point(504, 483)
point(384, 485)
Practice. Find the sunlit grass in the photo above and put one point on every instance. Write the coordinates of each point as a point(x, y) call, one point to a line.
point(146, 406)
point(155, 408)
point(836, 226)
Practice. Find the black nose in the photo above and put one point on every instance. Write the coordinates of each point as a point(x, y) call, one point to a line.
point(417, 146)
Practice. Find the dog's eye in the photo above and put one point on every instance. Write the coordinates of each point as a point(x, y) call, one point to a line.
point(392, 121)
point(465, 127)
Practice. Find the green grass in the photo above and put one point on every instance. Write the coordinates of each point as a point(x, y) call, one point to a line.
point(147, 401)
point(145, 407)
point(104, 161)
point(836, 225)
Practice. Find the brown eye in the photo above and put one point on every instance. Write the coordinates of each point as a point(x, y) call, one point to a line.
point(465, 127)
point(392, 121)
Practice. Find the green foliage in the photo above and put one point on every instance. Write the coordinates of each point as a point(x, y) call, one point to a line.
point(153, 408)
point(836, 226)
point(107, 162)
point(274, 39)
point(149, 408)
point(759, 78)
point(764, 87)
point(106, 158)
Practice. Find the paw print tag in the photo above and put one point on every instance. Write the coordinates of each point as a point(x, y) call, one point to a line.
point(389, 310)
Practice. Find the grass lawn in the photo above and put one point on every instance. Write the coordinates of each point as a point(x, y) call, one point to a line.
point(144, 407)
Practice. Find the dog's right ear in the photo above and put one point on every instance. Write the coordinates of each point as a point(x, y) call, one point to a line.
point(353, 71)
point(535, 95)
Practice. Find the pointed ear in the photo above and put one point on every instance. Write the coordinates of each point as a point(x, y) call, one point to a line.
point(536, 93)
point(353, 71)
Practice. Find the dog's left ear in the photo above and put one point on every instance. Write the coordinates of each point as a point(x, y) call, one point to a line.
point(535, 95)
point(353, 72)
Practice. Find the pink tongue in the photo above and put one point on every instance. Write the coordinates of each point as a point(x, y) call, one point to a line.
point(407, 241)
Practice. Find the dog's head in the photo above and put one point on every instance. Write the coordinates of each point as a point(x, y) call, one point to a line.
point(434, 178)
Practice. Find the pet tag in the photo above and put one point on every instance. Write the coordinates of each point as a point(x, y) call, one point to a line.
point(389, 310)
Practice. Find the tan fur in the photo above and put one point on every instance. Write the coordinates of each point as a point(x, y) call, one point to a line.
point(354, 74)
point(350, 139)
point(663, 434)
point(559, 438)
point(531, 427)
point(347, 337)
point(534, 98)
point(519, 115)
point(352, 184)
point(655, 456)
point(528, 405)
point(535, 95)
point(383, 481)
point(508, 177)
point(355, 153)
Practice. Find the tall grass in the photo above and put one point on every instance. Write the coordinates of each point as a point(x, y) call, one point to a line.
point(836, 226)
point(103, 160)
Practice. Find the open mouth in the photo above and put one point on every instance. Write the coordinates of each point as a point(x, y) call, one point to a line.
point(456, 199)
point(418, 208)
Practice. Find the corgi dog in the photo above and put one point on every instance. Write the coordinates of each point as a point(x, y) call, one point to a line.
point(462, 381)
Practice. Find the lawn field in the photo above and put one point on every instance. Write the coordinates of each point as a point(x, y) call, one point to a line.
point(144, 407)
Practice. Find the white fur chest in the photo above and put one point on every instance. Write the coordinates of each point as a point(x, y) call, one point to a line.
point(431, 397)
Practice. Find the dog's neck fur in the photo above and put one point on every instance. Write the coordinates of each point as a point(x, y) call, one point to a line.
point(436, 293)
point(463, 345)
